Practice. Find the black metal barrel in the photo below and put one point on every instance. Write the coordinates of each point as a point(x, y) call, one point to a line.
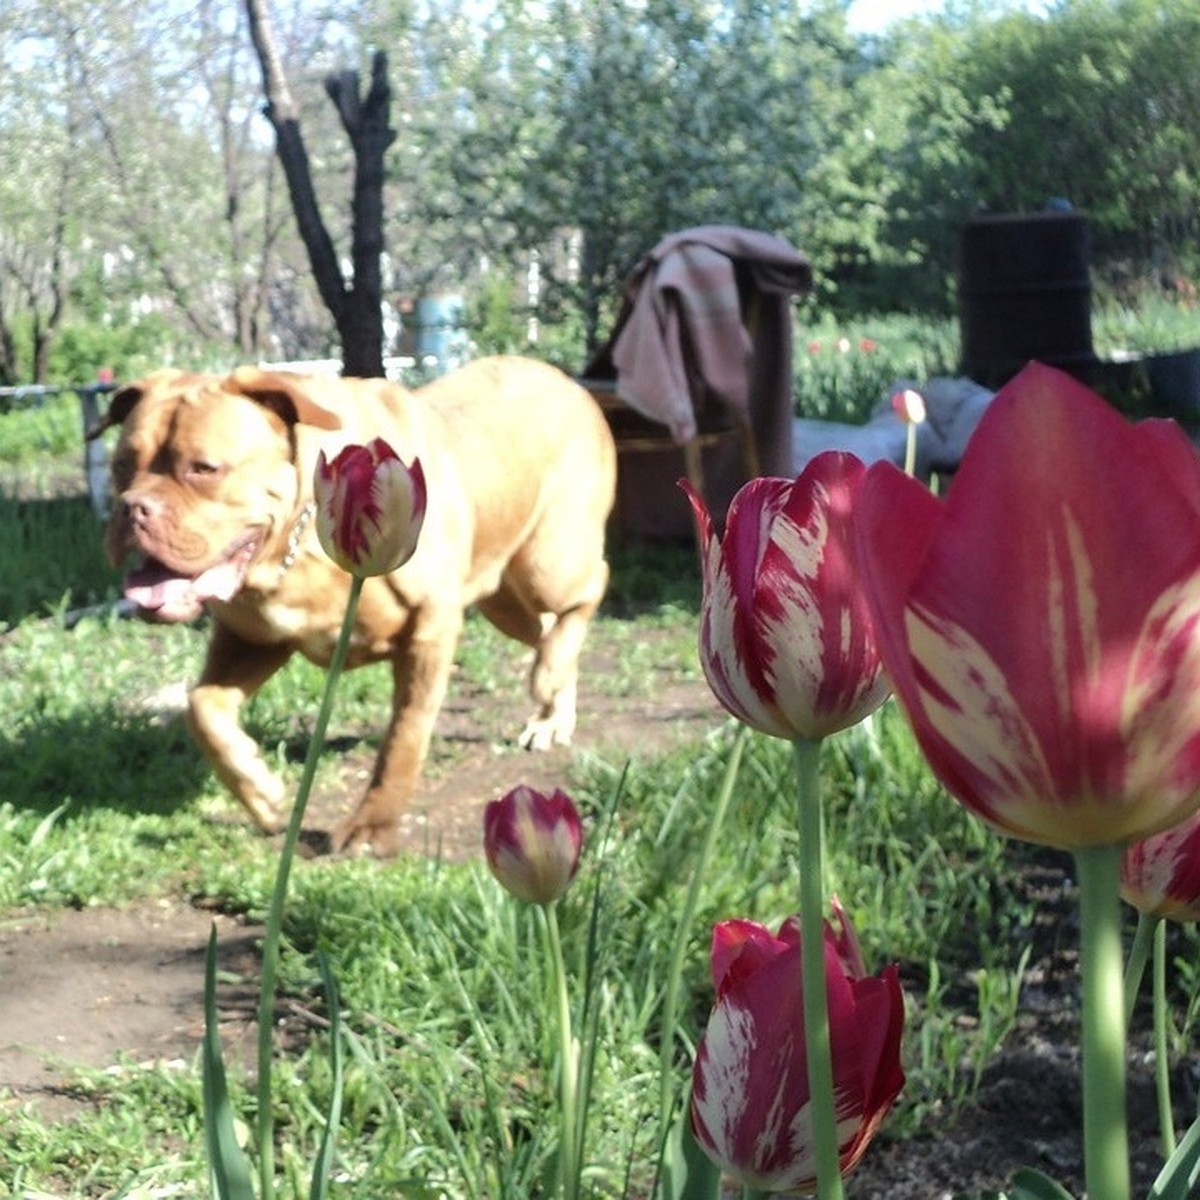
point(1024, 292)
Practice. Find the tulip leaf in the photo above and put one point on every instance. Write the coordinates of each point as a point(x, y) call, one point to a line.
point(1029, 1184)
point(320, 1176)
point(687, 1172)
point(1177, 1180)
point(227, 1162)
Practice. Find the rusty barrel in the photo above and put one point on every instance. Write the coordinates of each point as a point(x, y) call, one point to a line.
point(1024, 292)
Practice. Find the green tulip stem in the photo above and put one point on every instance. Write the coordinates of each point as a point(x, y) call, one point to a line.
point(264, 1124)
point(1105, 1136)
point(1139, 956)
point(1162, 1059)
point(910, 450)
point(807, 753)
point(568, 1070)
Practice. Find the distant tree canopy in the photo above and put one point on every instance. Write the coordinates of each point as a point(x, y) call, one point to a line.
point(555, 144)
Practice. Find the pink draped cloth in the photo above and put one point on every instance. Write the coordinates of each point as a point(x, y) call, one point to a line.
point(706, 326)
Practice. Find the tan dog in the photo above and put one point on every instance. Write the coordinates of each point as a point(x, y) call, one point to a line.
point(212, 482)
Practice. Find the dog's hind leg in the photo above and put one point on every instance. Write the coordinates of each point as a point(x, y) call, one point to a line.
point(556, 632)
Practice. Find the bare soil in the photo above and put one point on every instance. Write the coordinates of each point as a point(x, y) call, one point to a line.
point(102, 988)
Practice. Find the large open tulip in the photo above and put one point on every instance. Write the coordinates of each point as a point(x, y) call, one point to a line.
point(750, 1093)
point(785, 637)
point(1041, 625)
point(370, 508)
point(1160, 875)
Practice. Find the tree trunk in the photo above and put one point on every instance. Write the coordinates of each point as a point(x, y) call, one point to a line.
point(355, 305)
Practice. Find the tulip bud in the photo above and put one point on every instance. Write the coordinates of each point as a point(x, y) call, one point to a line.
point(532, 842)
point(1160, 875)
point(785, 636)
point(370, 508)
point(751, 1108)
point(909, 406)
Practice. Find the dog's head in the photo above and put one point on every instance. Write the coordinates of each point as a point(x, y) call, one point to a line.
point(204, 481)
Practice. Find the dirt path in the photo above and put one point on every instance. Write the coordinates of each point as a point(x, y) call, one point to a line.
point(97, 987)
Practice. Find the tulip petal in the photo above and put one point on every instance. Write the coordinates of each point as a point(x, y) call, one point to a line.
point(1042, 628)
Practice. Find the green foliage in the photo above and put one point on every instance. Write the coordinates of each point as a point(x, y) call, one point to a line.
point(82, 350)
point(41, 430)
point(56, 556)
point(844, 372)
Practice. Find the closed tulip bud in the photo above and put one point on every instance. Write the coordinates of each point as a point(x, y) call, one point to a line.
point(1041, 624)
point(532, 842)
point(909, 405)
point(1160, 875)
point(785, 636)
point(370, 508)
point(751, 1110)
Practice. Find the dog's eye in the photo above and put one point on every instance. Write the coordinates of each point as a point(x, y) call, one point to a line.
point(203, 468)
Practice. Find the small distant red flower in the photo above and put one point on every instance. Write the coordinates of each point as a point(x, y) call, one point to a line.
point(814, 347)
point(867, 345)
point(909, 405)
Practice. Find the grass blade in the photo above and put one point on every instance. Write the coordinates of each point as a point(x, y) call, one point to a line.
point(321, 1168)
point(1177, 1180)
point(229, 1168)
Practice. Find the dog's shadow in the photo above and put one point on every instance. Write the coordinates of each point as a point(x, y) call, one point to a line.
point(126, 763)
point(100, 758)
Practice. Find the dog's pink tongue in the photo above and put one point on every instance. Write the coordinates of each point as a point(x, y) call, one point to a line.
point(163, 594)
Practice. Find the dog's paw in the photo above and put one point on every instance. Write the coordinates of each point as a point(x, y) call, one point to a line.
point(361, 839)
point(543, 733)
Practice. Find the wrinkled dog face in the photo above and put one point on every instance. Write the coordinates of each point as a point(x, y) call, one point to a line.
point(202, 479)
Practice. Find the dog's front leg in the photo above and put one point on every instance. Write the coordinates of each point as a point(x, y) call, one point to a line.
point(421, 666)
point(234, 671)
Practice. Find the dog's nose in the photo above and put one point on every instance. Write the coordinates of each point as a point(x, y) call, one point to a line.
point(142, 508)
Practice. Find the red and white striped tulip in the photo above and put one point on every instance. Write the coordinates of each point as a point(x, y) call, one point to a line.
point(1041, 625)
point(532, 842)
point(370, 508)
point(750, 1095)
point(785, 637)
point(1160, 875)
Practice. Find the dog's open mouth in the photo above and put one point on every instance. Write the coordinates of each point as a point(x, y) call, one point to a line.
point(164, 594)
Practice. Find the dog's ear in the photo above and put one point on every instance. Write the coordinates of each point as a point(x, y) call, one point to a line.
point(287, 394)
point(126, 398)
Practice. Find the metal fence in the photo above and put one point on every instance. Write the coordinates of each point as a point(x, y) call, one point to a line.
point(95, 455)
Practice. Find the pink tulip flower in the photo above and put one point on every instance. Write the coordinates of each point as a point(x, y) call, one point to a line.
point(370, 508)
point(1041, 625)
point(785, 638)
point(532, 842)
point(750, 1094)
point(1160, 875)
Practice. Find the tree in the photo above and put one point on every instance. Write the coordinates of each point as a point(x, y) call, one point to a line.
point(355, 304)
